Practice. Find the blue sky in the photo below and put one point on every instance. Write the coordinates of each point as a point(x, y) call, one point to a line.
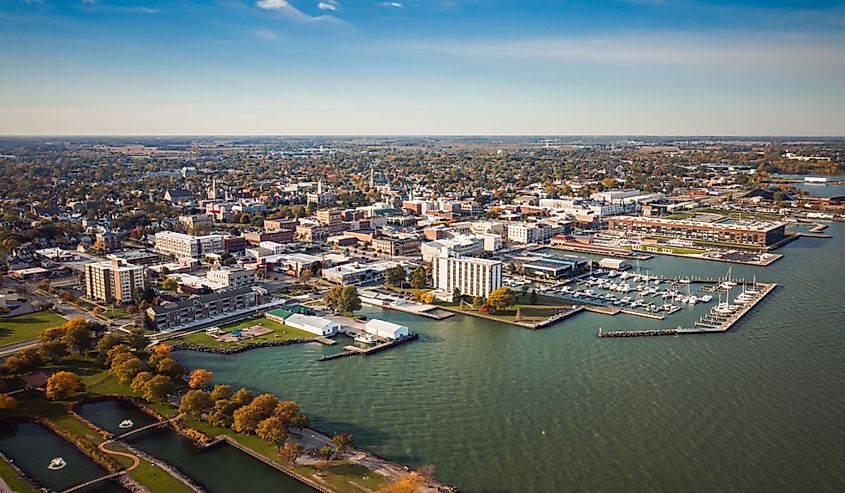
point(304, 67)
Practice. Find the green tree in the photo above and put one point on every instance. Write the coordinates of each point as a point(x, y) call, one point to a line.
point(395, 276)
point(79, 337)
point(419, 277)
point(300, 421)
point(344, 298)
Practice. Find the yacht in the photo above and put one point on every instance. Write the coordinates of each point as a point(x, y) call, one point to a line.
point(706, 298)
point(693, 299)
point(365, 338)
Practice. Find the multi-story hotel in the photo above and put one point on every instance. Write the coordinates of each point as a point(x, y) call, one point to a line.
point(752, 233)
point(471, 276)
point(182, 245)
point(113, 281)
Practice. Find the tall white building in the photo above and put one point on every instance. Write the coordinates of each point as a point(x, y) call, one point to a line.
point(182, 245)
point(113, 281)
point(471, 276)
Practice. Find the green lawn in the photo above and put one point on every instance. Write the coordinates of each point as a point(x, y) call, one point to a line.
point(280, 333)
point(11, 477)
point(25, 327)
point(117, 312)
point(544, 308)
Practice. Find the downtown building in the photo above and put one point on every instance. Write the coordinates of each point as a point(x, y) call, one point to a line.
point(470, 276)
point(182, 245)
point(114, 281)
point(752, 233)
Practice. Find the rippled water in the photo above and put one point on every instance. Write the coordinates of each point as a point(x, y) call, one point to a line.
point(502, 409)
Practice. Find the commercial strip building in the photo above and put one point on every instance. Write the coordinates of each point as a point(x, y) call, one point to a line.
point(397, 246)
point(470, 276)
point(114, 281)
point(751, 233)
point(182, 245)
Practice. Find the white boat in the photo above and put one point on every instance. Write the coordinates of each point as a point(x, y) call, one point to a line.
point(693, 299)
point(365, 338)
point(56, 463)
point(706, 298)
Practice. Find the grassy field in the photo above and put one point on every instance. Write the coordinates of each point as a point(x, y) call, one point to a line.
point(544, 308)
point(280, 333)
point(11, 477)
point(25, 327)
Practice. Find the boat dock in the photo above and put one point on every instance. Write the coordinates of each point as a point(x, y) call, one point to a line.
point(712, 323)
point(355, 350)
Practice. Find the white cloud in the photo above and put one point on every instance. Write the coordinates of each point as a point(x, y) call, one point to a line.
point(391, 5)
point(717, 52)
point(267, 34)
point(285, 8)
point(332, 5)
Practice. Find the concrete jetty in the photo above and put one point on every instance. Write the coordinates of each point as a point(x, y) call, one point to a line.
point(355, 350)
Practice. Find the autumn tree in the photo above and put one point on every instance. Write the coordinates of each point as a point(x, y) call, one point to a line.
point(62, 385)
point(127, 370)
point(170, 368)
point(7, 401)
point(23, 361)
point(273, 431)
point(286, 411)
point(139, 383)
point(199, 378)
point(246, 419)
point(290, 452)
point(500, 299)
point(78, 335)
point(221, 392)
point(196, 402)
point(341, 441)
point(53, 351)
point(409, 483)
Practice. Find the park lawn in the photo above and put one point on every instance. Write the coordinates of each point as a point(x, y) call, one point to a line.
point(337, 473)
point(25, 327)
point(680, 216)
point(280, 332)
point(153, 477)
point(13, 480)
point(545, 307)
point(116, 313)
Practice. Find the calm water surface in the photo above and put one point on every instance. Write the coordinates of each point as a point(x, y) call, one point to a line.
point(502, 409)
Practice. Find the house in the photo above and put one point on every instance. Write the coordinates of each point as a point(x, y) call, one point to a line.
point(315, 325)
point(387, 330)
point(178, 195)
